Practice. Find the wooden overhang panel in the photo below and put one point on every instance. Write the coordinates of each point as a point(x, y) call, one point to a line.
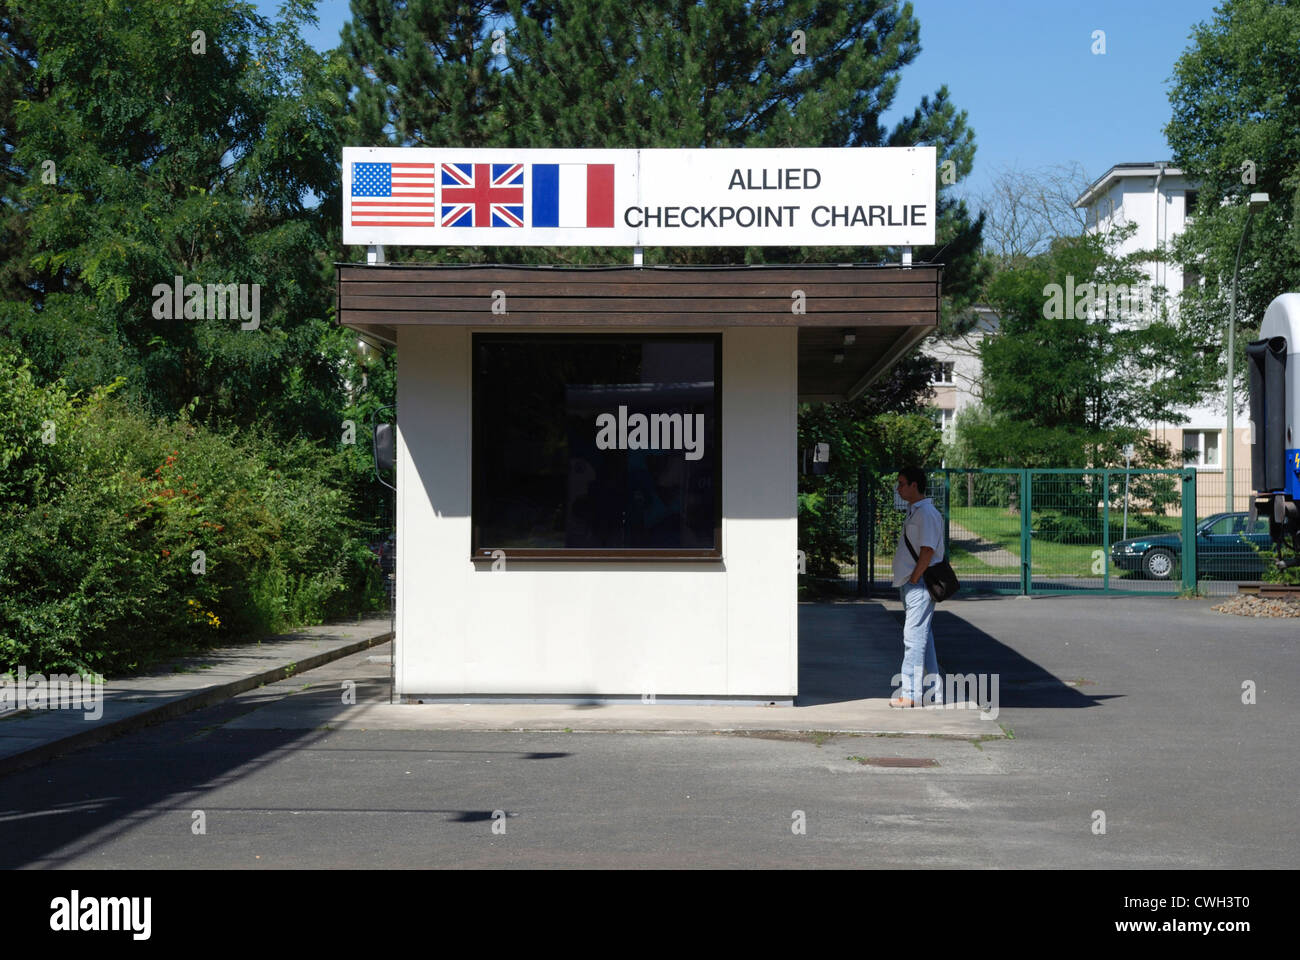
point(889, 309)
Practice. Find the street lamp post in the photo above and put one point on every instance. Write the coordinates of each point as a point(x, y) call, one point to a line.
point(1128, 463)
point(1257, 202)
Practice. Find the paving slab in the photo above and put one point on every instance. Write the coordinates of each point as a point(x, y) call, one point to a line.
point(847, 656)
point(31, 736)
point(322, 709)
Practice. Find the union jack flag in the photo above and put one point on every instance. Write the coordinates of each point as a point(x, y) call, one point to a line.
point(482, 195)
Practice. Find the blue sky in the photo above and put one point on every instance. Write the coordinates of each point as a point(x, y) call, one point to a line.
point(1024, 72)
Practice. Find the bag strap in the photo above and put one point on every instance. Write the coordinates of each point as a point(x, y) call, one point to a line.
point(909, 543)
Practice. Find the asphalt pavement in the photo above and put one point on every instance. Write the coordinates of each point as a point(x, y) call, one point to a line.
point(1123, 739)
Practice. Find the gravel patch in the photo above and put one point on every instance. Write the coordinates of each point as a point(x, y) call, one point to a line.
point(1249, 605)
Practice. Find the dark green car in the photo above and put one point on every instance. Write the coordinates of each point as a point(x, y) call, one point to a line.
point(1223, 548)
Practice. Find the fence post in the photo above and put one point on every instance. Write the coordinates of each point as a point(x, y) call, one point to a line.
point(866, 532)
point(1026, 532)
point(1189, 531)
point(1105, 532)
point(947, 512)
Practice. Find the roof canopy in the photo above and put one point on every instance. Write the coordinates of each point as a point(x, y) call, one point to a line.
point(885, 310)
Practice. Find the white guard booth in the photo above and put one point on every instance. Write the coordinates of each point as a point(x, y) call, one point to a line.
point(596, 466)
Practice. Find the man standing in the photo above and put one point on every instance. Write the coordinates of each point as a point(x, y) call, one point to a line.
point(923, 527)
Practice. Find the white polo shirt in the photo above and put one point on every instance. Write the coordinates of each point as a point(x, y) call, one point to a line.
point(924, 527)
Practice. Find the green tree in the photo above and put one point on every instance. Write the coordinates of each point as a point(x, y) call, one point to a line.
point(17, 69)
point(1235, 129)
point(1075, 372)
point(187, 140)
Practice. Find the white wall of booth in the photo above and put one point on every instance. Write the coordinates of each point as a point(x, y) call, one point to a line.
point(612, 628)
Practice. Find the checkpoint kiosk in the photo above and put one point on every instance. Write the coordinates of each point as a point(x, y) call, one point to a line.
point(596, 466)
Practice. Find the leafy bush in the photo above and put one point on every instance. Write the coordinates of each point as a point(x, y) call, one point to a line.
point(1271, 574)
point(1057, 527)
point(102, 512)
point(826, 527)
point(828, 511)
point(970, 488)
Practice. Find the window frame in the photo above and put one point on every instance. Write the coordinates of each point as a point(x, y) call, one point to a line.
point(481, 553)
point(1199, 463)
point(938, 373)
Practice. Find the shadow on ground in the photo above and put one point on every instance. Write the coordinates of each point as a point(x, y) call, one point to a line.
point(851, 651)
point(59, 812)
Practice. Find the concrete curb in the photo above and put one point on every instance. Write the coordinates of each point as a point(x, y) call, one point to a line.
point(870, 717)
point(178, 706)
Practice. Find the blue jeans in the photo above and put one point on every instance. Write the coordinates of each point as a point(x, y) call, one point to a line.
point(920, 662)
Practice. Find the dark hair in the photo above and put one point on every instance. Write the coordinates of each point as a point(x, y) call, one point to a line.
point(914, 475)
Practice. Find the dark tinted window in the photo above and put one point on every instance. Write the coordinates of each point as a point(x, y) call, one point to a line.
point(596, 442)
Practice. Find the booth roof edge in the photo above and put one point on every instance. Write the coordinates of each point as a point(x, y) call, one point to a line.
point(424, 265)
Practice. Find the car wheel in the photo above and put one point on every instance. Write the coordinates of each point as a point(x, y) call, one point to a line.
point(1158, 564)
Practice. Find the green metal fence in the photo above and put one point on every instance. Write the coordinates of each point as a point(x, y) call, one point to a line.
point(1061, 531)
point(1228, 547)
point(830, 539)
point(1070, 531)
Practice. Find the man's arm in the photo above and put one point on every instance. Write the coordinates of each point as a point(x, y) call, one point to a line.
point(923, 559)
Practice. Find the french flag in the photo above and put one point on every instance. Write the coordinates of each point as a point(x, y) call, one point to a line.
point(573, 195)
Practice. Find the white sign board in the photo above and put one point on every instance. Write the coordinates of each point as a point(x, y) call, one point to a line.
point(816, 197)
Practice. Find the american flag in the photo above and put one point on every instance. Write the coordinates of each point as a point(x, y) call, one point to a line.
point(482, 194)
point(394, 195)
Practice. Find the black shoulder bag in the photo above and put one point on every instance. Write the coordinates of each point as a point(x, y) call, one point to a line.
point(940, 579)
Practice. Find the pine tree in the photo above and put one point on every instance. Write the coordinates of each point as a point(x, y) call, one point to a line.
point(424, 73)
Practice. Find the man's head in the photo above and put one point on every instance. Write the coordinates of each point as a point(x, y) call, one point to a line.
point(911, 484)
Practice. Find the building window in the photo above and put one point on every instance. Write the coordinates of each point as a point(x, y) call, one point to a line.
point(1190, 199)
point(597, 445)
point(947, 417)
point(1201, 448)
point(942, 372)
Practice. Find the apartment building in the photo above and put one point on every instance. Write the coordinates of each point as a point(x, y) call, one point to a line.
point(1158, 199)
